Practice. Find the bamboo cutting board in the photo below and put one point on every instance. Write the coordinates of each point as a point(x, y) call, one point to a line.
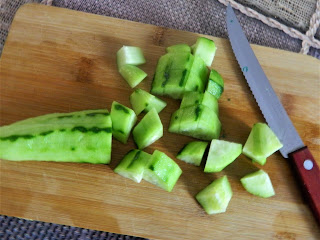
point(57, 60)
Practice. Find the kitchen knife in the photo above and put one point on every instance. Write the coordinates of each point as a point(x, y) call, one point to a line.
point(275, 115)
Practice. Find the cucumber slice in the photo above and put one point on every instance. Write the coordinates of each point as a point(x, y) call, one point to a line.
point(132, 74)
point(176, 117)
point(144, 101)
point(193, 98)
point(162, 171)
point(133, 165)
point(83, 136)
point(261, 143)
point(162, 74)
point(206, 49)
point(193, 152)
point(148, 130)
point(258, 183)
point(123, 120)
point(179, 48)
point(221, 154)
point(130, 55)
point(198, 76)
point(215, 197)
point(215, 84)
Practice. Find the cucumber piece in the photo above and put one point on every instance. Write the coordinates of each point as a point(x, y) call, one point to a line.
point(215, 84)
point(178, 48)
point(198, 76)
point(176, 117)
point(261, 143)
point(162, 171)
point(130, 55)
point(123, 120)
point(148, 130)
point(133, 165)
point(162, 74)
point(221, 154)
point(193, 98)
point(132, 74)
point(83, 136)
point(144, 101)
point(206, 49)
point(258, 183)
point(215, 197)
point(193, 152)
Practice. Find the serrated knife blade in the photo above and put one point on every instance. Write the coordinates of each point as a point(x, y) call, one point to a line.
point(274, 113)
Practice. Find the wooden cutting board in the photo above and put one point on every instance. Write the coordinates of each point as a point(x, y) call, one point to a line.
point(57, 60)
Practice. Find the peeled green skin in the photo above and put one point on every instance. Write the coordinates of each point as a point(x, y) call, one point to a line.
point(215, 197)
point(193, 152)
point(206, 49)
point(221, 154)
point(123, 120)
point(148, 130)
point(83, 136)
point(258, 183)
point(133, 165)
point(162, 171)
point(261, 143)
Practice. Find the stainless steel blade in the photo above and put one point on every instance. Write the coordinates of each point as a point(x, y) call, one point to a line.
point(271, 107)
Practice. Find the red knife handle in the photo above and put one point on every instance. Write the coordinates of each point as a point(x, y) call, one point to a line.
point(309, 175)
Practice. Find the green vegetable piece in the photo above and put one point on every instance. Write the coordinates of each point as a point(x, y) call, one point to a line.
point(144, 101)
point(130, 55)
point(215, 84)
point(261, 143)
point(162, 74)
point(193, 152)
point(179, 48)
point(83, 136)
point(132, 74)
point(206, 49)
point(215, 197)
point(162, 171)
point(148, 130)
point(133, 165)
point(194, 98)
point(176, 117)
point(258, 183)
point(123, 120)
point(198, 76)
point(221, 154)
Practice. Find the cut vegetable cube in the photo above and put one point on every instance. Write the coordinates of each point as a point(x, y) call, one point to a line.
point(123, 120)
point(206, 49)
point(132, 74)
point(148, 130)
point(162, 74)
point(130, 55)
point(193, 98)
point(261, 143)
point(193, 152)
point(221, 154)
point(258, 183)
point(162, 171)
point(179, 48)
point(133, 165)
point(144, 101)
point(176, 117)
point(215, 197)
point(83, 136)
point(215, 84)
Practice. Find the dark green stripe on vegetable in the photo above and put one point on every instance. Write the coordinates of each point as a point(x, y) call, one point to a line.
point(121, 108)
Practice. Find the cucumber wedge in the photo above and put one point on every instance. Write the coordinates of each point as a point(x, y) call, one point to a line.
point(215, 84)
point(194, 98)
point(258, 184)
point(130, 55)
point(132, 74)
point(148, 130)
point(179, 48)
point(162, 171)
point(206, 49)
point(133, 165)
point(144, 101)
point(221, 154)
point(83, 136)
point(193, 152)
point(162, 74)
point(123, 120)
point(176, 117)
point(261, 143)
point(215, 197)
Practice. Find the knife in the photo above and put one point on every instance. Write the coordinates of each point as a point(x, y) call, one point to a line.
point(275, 115)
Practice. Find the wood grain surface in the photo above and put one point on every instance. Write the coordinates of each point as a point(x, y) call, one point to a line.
point(57, 60)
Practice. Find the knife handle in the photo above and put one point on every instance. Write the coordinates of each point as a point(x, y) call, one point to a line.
point(309, 175)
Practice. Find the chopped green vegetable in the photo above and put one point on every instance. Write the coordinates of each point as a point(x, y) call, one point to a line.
point(130, 55)
point(193, 152)
point(132, 74)
point(206, 49)
point(215, 84)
